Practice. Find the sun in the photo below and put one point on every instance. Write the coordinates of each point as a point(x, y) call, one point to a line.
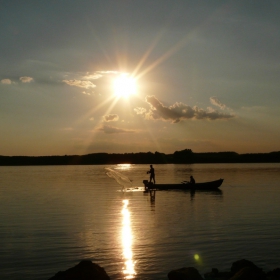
point(124, 86)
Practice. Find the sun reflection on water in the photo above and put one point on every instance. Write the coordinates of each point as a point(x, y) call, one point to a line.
point(123, 166)
point(127, 238)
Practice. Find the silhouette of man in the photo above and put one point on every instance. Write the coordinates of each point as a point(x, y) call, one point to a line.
point(152, 174)
point(192, 181)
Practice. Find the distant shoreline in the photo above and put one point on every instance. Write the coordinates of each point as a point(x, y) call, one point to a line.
point(186, 156)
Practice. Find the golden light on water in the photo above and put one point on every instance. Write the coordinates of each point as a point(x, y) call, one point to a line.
point(127, 240)
point(123, 166)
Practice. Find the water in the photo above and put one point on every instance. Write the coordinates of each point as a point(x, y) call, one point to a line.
point(51, 217)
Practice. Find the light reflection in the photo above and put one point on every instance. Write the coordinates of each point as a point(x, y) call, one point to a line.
point(123, 166)
point(127, 238)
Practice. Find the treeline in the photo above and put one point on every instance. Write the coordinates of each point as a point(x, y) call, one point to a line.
point(184, 156)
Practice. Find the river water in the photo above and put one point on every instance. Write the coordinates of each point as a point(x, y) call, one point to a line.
point(52, 217)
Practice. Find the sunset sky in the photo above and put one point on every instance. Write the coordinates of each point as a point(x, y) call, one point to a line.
point(202, 75)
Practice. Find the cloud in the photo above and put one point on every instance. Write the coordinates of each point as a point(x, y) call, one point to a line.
point(84, 80)
point(111, 118)
point(80, 83)
point(140, 111)
point(112, 130)
point(93, 76)
point(26, 79)
point(215, 101)
point(180, 111)
point(108, 72)
point(98, 74)
point(6, 81)
point(86, 93)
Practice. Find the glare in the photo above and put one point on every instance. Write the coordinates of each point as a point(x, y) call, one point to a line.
point(127, 239)
point(124, 86)
point(196, 257)
point(123, 166)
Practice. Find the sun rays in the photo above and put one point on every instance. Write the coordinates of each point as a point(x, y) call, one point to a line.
point(124, 86)
point(120, 89)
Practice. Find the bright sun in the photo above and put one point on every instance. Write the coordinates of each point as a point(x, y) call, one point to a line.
point(124, 86)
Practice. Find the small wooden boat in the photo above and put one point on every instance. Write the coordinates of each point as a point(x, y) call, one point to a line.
point(213, 185)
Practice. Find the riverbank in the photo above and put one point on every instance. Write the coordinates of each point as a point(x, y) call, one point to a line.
point(178, 157)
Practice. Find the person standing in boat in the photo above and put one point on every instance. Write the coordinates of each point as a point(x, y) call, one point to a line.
point(152, 174)
point(192, 180)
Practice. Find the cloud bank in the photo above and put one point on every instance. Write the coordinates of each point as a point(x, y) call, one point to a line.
point(112, 130)
point(178, 112)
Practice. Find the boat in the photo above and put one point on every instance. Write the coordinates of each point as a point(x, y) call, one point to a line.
point(212, 185)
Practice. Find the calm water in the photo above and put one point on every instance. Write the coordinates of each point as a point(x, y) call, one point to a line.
point(51, 217)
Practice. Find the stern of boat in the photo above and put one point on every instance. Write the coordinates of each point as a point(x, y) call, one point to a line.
point(148, 185)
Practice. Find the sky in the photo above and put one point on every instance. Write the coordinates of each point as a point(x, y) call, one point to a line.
point(199, 75)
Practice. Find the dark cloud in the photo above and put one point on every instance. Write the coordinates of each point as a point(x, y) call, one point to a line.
point(111, 118)
point(180, 111)
point(111, 130)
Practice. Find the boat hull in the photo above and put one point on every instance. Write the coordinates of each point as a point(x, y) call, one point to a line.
point(213, 185)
